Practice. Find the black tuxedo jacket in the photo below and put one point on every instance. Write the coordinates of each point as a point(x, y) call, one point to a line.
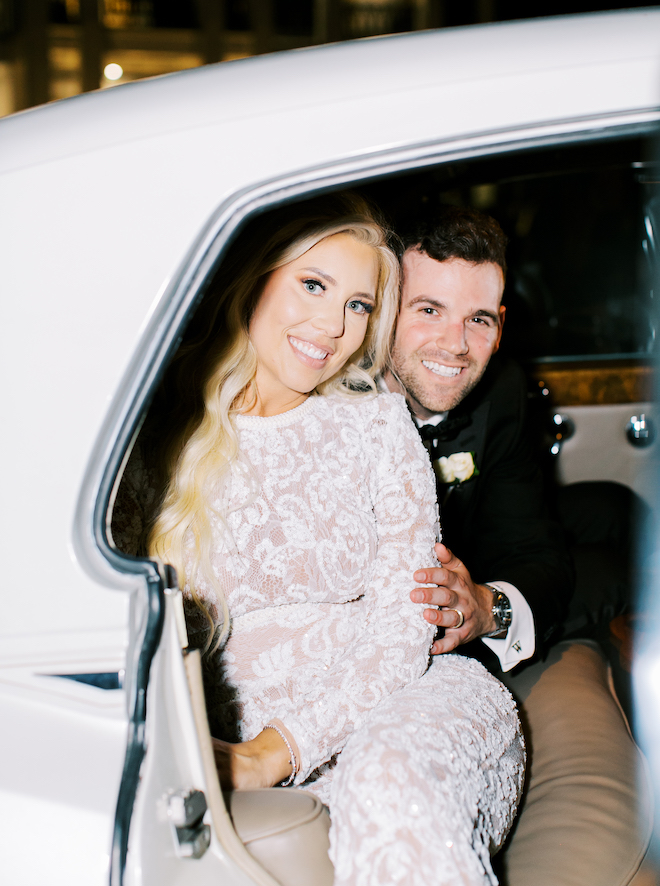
point(497, 522)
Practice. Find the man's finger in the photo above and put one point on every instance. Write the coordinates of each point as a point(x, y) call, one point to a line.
point(444, 618)
point(446, 644)
point(448, 560)
point(434, 575)
point(434, 596)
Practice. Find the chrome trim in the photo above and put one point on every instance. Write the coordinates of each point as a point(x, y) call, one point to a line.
point(138, 666)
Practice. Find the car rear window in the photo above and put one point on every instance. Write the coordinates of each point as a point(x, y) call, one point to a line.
point(582, 222)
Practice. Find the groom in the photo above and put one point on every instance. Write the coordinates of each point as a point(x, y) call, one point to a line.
point(506, 577)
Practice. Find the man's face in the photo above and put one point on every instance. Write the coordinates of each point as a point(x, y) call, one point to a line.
point(449, 326)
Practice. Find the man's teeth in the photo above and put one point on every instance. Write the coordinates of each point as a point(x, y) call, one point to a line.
point(441, 369)
point(310, 350)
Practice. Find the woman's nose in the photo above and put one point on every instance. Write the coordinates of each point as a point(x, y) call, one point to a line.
point(331, 319)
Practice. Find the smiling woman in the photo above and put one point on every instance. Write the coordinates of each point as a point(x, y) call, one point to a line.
point(242, 356)
point(295, 499)
point(310, 319)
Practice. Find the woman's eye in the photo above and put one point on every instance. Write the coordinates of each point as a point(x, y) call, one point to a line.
point(360, 307)
point(315, 287)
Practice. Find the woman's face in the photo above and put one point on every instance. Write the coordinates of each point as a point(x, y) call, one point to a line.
point(310, 319)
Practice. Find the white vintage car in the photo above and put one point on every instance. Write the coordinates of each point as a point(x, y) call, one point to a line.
point(115, 207)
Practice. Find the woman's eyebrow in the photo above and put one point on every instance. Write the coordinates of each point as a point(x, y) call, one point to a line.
point(321, 274)
point(332, 280)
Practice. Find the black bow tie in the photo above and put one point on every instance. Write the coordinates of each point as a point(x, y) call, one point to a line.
point(446, 430)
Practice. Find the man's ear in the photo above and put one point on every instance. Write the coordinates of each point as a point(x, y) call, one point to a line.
point(500, 324)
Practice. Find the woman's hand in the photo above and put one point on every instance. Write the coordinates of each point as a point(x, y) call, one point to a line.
point(262, 762)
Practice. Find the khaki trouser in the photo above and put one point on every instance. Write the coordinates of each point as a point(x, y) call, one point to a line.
point(586, 815)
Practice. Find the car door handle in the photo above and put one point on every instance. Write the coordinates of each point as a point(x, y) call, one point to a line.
point(186, 810)
point(640, 430)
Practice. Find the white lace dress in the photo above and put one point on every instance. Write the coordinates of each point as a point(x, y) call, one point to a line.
point(330, 511)
point(421, 767)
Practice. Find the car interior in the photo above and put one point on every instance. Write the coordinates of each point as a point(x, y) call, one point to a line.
point(582, 220)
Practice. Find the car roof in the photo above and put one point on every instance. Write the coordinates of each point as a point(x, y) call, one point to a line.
point(396, 66)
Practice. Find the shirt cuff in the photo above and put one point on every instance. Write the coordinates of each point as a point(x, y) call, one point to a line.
point(519, 643)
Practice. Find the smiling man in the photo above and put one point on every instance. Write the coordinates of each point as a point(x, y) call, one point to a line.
point(509, 579)
point(506, 576)
point(449, 326)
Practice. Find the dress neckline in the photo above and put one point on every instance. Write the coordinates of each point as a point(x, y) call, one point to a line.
point(275, 421)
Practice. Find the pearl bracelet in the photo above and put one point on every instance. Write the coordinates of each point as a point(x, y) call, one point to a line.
point(294, 762)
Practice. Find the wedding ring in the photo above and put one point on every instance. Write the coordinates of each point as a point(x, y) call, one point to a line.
point(461, 618)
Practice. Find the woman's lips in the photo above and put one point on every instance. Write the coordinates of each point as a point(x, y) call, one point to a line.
point(313, 353)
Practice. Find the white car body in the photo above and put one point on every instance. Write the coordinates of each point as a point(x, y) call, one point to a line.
point(112, 206)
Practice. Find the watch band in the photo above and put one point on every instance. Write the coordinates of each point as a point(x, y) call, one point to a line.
point(502, 613)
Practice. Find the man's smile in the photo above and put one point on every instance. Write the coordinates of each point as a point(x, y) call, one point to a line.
point(442, 369)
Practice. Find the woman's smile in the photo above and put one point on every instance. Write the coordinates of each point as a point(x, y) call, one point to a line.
point(311, 318)
point(309, 353)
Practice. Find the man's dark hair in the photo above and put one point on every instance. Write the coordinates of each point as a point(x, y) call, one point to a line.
point(460, 233)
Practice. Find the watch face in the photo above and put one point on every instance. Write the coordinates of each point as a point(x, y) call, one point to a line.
point(501, 609)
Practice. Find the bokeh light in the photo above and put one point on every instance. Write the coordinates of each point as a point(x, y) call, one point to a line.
point(113, 71)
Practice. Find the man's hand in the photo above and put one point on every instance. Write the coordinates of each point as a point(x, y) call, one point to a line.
point(455, 591)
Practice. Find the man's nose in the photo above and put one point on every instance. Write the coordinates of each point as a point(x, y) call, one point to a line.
point(453, 339)
point(331, 319)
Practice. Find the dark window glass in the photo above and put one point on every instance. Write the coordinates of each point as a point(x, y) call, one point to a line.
point(293, 16)
point(580, 225)
point(237, 15)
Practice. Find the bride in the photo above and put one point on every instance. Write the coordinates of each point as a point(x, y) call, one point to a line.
point(296, 502)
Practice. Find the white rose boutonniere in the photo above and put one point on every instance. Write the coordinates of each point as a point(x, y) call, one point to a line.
point(455, 468)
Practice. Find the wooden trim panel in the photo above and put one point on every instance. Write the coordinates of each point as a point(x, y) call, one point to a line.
point(595, 384)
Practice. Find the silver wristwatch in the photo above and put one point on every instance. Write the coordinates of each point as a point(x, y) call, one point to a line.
point(502, 613)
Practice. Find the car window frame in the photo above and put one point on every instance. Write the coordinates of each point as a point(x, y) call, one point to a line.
point(161, 335)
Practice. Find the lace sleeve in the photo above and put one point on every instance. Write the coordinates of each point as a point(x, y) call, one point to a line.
point(387, 637)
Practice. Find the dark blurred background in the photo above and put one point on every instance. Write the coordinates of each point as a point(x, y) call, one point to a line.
point(51, 49)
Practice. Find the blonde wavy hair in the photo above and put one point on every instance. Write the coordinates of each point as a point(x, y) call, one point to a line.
point(213, 372)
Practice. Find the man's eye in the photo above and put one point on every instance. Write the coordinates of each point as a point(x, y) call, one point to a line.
point(430, 311)
point(315, 287)
point(482, 321)
point(360, 307)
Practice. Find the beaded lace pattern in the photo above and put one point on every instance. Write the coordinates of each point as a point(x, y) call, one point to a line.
point(317, 569)
point(330, 510)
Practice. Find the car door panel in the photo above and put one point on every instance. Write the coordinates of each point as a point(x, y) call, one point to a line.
point(599, 448)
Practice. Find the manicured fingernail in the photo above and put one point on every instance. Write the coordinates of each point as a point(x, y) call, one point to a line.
point(417, 596)
point(419, 576)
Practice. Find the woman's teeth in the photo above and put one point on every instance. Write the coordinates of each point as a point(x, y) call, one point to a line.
point(305, 348)
point(440, 369)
